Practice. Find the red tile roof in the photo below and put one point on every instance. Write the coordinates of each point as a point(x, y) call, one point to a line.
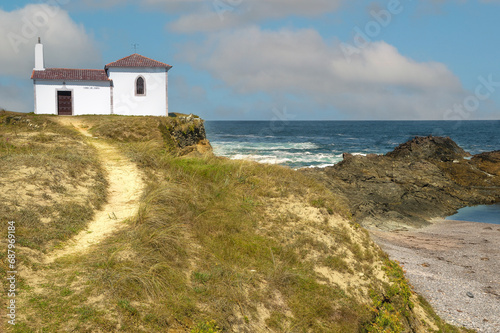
point(71, 74)
point(136, 60)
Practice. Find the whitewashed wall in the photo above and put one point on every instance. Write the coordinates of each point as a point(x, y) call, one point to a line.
point(126, 102)
point(89, 97)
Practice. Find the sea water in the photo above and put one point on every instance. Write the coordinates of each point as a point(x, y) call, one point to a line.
point(299, 144)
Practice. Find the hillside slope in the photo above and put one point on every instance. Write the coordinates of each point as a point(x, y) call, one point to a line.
point(216, 245)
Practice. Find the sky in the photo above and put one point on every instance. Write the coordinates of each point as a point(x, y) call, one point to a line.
point(274, 59)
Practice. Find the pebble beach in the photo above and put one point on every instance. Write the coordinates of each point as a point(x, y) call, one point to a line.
point(455, 265)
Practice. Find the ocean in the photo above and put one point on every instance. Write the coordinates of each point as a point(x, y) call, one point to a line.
point(299, 144)
point(302, 144)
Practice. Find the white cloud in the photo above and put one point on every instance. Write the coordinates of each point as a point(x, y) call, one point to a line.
point(213, 15)
point(235, 13)
point(101, 3)
point(66, 43)
point(377, 83)
point(178, 5)
point(175, 6)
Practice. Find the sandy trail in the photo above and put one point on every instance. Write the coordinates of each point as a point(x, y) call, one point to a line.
point(125, 188)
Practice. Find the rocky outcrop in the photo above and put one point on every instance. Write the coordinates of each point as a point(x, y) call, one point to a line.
point(179, 134)
point(424, 178)
point(186, 134)
point(429, 148)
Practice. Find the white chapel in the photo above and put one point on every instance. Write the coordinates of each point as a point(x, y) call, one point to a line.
point(132, 86)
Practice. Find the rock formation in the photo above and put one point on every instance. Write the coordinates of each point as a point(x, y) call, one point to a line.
point(424, 178)
point(186, 134)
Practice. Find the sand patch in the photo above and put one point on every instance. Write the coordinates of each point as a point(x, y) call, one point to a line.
point(324, 235)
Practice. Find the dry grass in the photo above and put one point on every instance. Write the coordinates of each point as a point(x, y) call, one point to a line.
point(219, 246)
point(198, 238)
point(52, 182)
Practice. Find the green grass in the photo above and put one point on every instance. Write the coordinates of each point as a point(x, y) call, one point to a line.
point(206, 327)
point(392, 306)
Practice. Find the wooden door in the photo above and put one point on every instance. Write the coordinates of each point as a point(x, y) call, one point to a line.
point(64, 103)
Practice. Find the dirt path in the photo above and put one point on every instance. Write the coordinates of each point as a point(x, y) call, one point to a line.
point(455, 266)
point(125, 188)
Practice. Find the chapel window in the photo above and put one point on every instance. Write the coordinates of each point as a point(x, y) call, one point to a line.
point(140, 87)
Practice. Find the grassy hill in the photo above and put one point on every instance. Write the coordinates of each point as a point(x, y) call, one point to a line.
point(217, 245)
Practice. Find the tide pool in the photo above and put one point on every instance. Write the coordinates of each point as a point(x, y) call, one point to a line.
point(483, 213)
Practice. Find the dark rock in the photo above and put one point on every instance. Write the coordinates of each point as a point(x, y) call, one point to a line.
point(488, 162)
point(469, 294)
point(429, 148)
point(12, 119)
point(424, 178)
point(183, 132)
point(347, 156)
point(192, 136)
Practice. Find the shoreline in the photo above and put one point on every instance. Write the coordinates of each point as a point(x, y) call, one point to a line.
point(455, 265)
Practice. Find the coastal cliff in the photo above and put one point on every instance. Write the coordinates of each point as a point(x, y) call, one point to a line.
point(424, 178)
point(179, 134)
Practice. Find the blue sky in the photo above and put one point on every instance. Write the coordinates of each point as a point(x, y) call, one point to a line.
point(275, 59)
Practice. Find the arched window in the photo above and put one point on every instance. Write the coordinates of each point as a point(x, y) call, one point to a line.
point(140, 86)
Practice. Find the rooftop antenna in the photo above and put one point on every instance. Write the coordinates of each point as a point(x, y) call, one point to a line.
point(135, 47)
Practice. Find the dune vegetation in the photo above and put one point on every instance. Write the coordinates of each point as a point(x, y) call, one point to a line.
point(217, 245)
